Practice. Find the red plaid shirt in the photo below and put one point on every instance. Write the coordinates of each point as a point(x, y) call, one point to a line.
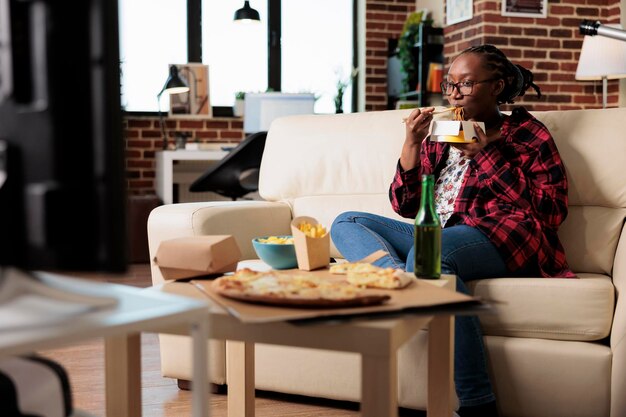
point(515, 192)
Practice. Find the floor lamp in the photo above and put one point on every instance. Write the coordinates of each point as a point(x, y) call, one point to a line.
point(602, 58)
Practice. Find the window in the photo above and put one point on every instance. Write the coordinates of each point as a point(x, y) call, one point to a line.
point(148, 43)
point(316, 49)
point(236, 53)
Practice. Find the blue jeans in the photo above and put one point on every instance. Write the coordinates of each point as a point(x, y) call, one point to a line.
point(465, 252)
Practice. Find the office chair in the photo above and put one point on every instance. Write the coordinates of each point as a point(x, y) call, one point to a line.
point(238, 173)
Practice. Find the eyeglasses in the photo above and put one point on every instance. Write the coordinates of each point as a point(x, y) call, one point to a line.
point(464, 88)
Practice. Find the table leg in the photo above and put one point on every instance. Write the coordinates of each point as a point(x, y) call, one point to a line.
point(440, 366)
point(200, 403)
point(379, 385)
point(122, 359)
point(240, 378)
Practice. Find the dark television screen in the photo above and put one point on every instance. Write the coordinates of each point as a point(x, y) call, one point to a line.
point(62, 180)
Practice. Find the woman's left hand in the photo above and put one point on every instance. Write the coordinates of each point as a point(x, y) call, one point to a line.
point(471, 149)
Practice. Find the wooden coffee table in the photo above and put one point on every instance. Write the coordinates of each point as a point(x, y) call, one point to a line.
point(376, 340)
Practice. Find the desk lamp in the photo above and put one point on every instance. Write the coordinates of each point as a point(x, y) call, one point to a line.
point(602, 58)
point(173, 85)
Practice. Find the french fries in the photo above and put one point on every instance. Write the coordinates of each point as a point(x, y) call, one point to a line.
point(277, 240)
point(312, 230)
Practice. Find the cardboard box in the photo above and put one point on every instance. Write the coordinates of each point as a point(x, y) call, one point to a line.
point(311, 252)
point(453, 131)
point(194, 256)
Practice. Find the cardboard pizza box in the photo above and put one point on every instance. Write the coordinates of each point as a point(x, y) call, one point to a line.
point(311, 252)
point(195, 256)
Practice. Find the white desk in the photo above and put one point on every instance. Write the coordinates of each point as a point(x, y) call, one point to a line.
point(165, 167)
point(137, 311)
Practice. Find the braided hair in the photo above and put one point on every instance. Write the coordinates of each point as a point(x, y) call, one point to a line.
point(517, 79)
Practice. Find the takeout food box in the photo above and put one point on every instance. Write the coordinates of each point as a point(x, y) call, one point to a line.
point(453, 131)
point(194, 256)
point(311, 252)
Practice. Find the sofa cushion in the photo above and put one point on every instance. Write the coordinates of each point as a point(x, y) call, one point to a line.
point(336, 155)
point(556, 308)
point(592, 146)
point(590, 235)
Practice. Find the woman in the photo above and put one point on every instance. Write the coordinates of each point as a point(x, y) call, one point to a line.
point(500, 199)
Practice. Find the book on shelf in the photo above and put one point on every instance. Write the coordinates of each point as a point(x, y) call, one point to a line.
point(435, 77)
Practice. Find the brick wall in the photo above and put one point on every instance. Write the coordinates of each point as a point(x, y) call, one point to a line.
point(143, 139)
point(548, 47)
point(384, 19)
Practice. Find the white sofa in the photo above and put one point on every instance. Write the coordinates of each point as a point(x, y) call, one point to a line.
point(557, 347)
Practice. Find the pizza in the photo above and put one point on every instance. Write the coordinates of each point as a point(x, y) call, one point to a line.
point(283, 288)
point(366, 275)
point(345, 267)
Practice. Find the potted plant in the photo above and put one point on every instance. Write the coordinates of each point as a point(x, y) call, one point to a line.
point(239, 103)
point(342, 84)
point(408, 39)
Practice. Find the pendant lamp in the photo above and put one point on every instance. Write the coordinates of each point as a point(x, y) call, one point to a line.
point(247, 14)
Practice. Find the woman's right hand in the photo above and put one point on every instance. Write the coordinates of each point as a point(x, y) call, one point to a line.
point(417, 125)
point(416, 130)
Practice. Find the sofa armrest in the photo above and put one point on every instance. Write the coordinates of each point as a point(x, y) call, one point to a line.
point(244, 220)
point(618, 331)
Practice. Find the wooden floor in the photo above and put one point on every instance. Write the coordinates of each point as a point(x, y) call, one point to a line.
point(161, 396)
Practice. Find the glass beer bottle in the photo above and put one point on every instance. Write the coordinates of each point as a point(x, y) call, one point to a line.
point(427, 233)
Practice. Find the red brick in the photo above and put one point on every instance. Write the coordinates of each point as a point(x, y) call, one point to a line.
point(573, 44)
point(206, 134)
point(561, 33)
point(191, 124)
point(231, 135)
point(587, 12)
point(567, 10)
point(139, 123)
point(571, 88)
point(585, 99)
point(533, 31)
point(561, 77)
point(131, 133)
point(548, 65)
point(548, 43)
point(533, 53)
point(561, 55)
point(509, 30)
point(569, 66)
point(209, 124)
point(529, 42)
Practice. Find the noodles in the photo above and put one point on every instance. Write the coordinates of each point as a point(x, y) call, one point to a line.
point(459, 114)
point(405, 119)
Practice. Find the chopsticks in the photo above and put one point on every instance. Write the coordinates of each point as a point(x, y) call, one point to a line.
point(404, 119)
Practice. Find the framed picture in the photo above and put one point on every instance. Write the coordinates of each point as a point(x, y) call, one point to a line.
point(196, 103)
point(459, 11)
point(525, 8)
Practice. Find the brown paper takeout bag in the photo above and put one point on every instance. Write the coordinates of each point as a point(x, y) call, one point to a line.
point(312, 253)
point(194, 256)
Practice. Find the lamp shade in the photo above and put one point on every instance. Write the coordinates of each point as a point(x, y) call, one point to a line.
point(174, 83)
point(247, 14)
point(602, 57)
